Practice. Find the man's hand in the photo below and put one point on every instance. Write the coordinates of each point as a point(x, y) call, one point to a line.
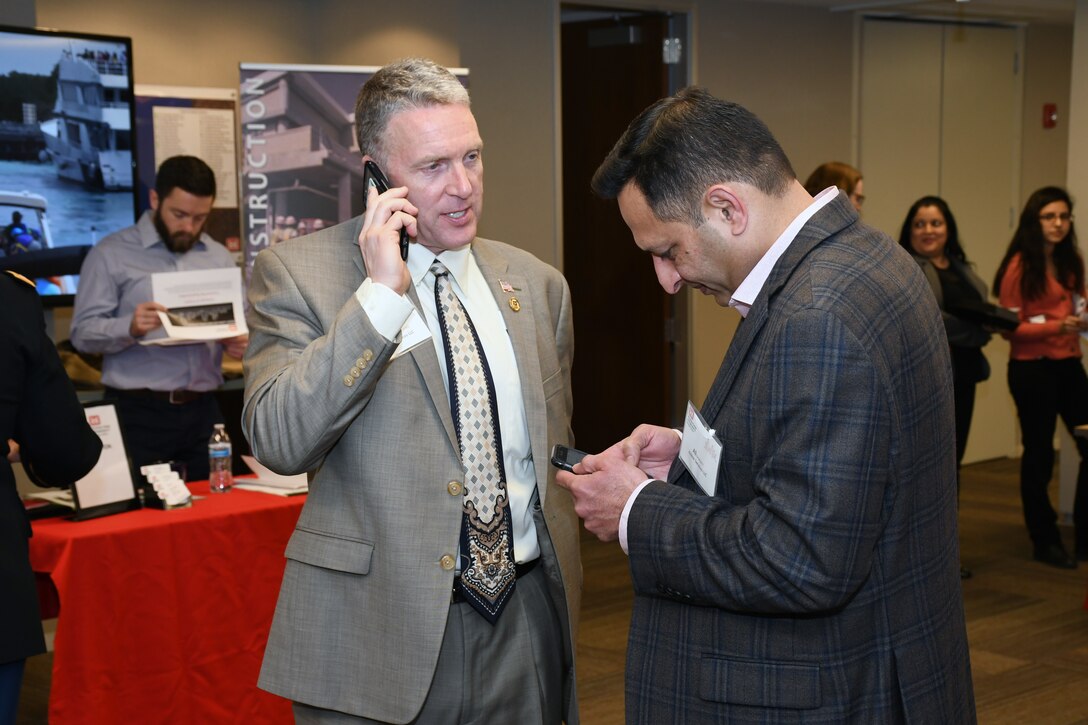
point(13, 451)
point(379, 240)
point(649, 447)
point(601, 486)
point(145, 318)
point(235, 346)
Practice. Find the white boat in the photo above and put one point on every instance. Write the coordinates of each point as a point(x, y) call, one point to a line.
point(23, 222)
point(90, 136)
point(25, 238)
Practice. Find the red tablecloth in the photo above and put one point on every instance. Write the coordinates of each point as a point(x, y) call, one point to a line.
point(164, 614)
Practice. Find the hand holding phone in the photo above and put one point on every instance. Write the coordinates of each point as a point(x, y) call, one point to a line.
point(565, 458)
point(373, 177)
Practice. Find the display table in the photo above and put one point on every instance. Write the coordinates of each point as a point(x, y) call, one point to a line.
point(164, 614)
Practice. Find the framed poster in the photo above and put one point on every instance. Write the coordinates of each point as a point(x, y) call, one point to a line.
point(108, 488)
point(201, 122)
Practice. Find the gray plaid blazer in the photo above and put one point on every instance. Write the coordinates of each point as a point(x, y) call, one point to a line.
point(820, 583)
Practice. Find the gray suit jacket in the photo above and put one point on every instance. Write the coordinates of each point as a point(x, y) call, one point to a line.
point(820, 583)
point(365, 596)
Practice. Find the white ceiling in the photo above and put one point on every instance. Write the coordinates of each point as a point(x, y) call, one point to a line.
point(1052, 11)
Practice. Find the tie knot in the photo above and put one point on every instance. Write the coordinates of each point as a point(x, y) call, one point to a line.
point(438, 269)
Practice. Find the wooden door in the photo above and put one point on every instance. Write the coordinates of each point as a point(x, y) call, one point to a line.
point(627, 362)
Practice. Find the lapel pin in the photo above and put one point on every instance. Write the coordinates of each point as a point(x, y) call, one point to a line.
point(514, 304)
point(507, 287)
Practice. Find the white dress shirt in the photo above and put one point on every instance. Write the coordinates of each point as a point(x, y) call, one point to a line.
point(388, 312)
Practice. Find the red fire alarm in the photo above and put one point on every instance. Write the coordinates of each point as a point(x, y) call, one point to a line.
point(1050, 115)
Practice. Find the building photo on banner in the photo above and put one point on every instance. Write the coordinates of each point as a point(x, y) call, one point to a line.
point(301, 170)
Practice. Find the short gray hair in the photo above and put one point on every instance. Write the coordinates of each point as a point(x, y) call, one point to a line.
point(402, 85)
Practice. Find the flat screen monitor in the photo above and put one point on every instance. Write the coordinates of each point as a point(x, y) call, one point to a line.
point(66, 151)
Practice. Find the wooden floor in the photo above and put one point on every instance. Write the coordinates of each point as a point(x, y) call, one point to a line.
point(1026, 622)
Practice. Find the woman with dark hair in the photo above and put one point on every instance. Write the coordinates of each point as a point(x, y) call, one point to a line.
point(836, 173)
point(930, 234)
point(1042, 279)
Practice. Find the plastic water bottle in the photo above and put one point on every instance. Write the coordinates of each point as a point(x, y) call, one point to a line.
point(219, 461)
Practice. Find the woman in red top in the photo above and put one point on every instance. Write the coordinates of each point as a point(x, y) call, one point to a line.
point(1042, 278)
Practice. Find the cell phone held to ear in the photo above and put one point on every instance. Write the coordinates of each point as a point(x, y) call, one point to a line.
point(373, 177)
point(564, 458)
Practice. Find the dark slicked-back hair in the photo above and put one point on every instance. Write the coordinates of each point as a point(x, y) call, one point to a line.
point(1030, 243)
point(402, 85)
point(685, 143)
point(187, 173)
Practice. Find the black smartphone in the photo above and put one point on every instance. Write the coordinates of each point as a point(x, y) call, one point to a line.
point(373, 176)
point(564, 458)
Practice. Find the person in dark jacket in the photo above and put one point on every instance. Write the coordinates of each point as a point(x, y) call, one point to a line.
point(930, 234)
point(43, 425)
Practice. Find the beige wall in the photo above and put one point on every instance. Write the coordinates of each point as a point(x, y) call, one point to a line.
point(348, 32)
point(193, 43)
point(1077, 183)
point(1077, 170)
point(511, 49)
point(203, 45)
point(750, 53)
point(790, 64)
point(1047, 72)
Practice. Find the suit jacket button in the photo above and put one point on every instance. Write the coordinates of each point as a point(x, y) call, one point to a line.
point(368, 355)
point(360, 363)
point(348, 380)
point(356, 372)
point(446, 562)
point(454, 488)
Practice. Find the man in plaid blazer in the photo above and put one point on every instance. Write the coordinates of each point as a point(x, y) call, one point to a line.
point(810, 573)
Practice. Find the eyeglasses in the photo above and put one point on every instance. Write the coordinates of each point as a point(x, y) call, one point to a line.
point(1064, 218)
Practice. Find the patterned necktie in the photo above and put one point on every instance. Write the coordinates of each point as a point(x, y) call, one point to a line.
point(487, 544)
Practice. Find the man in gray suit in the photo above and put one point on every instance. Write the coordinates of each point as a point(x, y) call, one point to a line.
point(794, 557)
point(347, 378)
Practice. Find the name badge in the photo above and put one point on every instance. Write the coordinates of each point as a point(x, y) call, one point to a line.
point(413, 332)
point(700, 451)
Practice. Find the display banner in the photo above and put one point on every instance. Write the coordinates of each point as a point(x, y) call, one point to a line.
point(300, 170)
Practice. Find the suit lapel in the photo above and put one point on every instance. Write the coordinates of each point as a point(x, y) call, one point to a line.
point(521, 326)
point(424, 356)
point(835, 216)
point(426, 360)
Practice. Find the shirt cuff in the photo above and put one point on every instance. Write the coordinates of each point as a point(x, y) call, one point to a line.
point(387, 310)
point(627, 512)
